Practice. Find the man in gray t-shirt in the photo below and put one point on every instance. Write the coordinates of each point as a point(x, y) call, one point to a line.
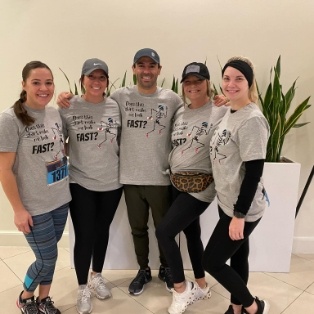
point(147, 112)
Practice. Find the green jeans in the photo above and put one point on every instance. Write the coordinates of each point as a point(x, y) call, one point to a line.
point(139, 199)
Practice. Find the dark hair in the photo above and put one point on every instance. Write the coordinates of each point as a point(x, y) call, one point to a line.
point(19, 110)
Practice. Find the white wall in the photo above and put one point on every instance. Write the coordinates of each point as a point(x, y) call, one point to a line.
point(63, 33)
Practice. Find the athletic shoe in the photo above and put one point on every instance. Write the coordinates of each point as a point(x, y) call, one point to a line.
point(27, 306)
point(46, 306)
point(231, 311)
point(84, 303)
point(166, 276)
point(97, 285)
point(180, 301)
point(202, 293)
point(262, 306)
point(143, 276)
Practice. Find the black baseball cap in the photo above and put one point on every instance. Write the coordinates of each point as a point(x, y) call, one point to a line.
point(196, 68)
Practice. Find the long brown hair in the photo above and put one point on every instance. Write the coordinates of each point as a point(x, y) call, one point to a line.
point(19, 110)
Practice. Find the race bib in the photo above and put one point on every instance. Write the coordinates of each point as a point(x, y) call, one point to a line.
point(57, 170)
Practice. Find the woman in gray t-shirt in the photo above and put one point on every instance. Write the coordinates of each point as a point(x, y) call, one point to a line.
point(237, 151)
point(192, 129)
point(34, 177)
point(92, 125)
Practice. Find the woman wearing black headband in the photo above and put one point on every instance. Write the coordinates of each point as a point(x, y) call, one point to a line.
point(237, 152)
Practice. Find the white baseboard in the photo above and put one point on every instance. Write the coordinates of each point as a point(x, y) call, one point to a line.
point(303, 245)
point(15, 238)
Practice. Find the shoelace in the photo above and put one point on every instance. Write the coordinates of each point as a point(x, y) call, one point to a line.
point(31, 307)
point(49, 305)
point(98, 281)
point(141, 276)
point(85, 295)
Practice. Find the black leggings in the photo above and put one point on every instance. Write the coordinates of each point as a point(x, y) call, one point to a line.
point(219, 249)
point(92, 213)
point(183, 215)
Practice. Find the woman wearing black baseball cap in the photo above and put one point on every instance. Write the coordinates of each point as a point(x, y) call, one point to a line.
point(193, 189)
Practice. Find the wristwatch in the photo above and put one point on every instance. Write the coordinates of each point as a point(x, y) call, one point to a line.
point(238, 214)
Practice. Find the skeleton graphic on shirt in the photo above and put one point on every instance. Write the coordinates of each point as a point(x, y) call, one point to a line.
point(222, 138)
point(158, 114)
point(108, 127)
point(196, 132)
point(57, 131)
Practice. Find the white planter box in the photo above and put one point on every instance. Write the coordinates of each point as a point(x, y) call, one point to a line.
point(270, 243)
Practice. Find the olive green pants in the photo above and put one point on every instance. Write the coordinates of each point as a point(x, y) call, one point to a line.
point(139, 199)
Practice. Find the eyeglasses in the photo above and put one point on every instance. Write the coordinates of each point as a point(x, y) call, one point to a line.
point(101, 78)
point(194, 82)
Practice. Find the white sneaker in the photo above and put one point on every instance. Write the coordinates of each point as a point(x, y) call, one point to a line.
point(202, 294)
point(180, 301)
point(84, 303)
point(98, 287)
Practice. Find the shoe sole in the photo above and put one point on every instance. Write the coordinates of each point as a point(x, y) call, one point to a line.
point(205, 297)
point(266, 307)
point(100, 297)
point(162, 279)
point(90, 311)
point(140, 292)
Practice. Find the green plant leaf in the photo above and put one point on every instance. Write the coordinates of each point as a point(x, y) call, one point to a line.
point(70, 90)
point(275, 105)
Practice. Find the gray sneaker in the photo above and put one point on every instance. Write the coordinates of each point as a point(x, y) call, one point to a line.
point(84, 303)
point(97, 285)
point(27, 306)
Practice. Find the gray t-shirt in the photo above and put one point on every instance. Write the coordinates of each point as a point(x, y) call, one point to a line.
point(40, 166)
point(190, 137)
point(93, 133)
point(145, 135)
point(241, 136)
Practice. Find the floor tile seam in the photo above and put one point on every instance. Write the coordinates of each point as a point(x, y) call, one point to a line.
point(287, 283)
point(16, 275)
point(15, 255)
point(134, 298)
point(291, 303)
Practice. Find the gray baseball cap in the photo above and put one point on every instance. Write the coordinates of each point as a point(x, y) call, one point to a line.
point(147, 52)
point(93, 64)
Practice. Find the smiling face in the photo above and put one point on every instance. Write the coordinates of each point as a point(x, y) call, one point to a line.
point(235, 86)
point(95, 85)
point(195, 89)
point(146, 71)
point(39, 88)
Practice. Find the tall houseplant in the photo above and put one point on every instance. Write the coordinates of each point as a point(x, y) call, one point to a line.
point(275, 106)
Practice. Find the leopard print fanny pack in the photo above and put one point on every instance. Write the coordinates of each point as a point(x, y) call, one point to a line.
point(191, 182)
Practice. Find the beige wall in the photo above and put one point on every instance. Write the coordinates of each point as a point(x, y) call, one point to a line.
point(63, 33)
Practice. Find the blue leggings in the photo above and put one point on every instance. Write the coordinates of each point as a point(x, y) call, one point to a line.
point(43, 239)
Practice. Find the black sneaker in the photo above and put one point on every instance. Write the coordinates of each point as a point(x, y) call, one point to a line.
point(46, 306)
point(27, 306)
point(143, 276)
point(262, 306)
point(231, 311)
point(166, 276)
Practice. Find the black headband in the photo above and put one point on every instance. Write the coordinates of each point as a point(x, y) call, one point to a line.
point(243, 67)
